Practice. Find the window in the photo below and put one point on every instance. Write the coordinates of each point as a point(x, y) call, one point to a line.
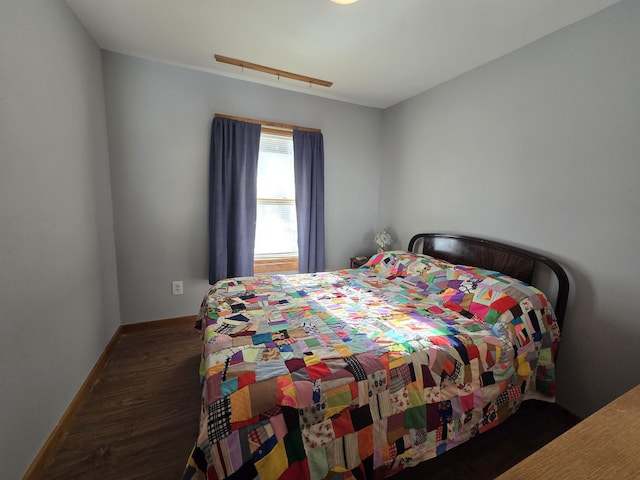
point(276, 247)
point(238, 140)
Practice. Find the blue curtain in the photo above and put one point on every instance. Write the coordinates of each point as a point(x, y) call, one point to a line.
point(308, 157)
point(233, 177)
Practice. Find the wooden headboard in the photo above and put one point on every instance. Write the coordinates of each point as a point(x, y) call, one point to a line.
point(513, 261)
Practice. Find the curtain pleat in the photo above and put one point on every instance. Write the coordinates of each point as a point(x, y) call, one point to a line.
point(308, 155)
point(232, 197)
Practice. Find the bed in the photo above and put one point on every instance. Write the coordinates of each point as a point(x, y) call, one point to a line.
point(362, 373)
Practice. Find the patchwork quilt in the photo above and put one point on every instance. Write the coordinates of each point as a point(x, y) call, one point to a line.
point(363, 373)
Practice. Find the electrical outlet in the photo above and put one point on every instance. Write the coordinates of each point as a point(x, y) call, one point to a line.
point(176, 287)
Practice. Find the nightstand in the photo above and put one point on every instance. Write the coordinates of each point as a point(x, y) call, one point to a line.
point(357, 262)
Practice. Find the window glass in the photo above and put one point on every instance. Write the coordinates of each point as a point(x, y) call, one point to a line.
point(276, 227)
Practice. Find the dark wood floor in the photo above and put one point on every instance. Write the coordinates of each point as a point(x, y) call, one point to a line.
point(140, 420)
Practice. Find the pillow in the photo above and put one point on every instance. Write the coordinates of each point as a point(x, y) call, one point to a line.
point(403, 264)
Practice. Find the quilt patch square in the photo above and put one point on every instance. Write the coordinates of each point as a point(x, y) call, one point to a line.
point(219, 420)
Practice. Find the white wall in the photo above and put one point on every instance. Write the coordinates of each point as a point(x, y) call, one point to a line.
point(159, 122)
point(58, 290)
point(541, 148)
point(538, 148)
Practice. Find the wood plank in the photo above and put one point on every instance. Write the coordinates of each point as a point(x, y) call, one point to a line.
point(273, 71)
point(604, 445)
point(269, 124)
point(284, 264)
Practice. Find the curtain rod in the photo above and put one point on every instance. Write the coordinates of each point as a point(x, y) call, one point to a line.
point(284, 126)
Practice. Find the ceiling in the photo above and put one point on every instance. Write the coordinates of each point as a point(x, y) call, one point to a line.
point(376, 52)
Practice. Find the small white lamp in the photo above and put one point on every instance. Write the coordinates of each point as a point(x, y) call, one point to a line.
point(382, 239)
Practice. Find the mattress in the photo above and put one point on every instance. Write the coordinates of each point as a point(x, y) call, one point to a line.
point(362, 373)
